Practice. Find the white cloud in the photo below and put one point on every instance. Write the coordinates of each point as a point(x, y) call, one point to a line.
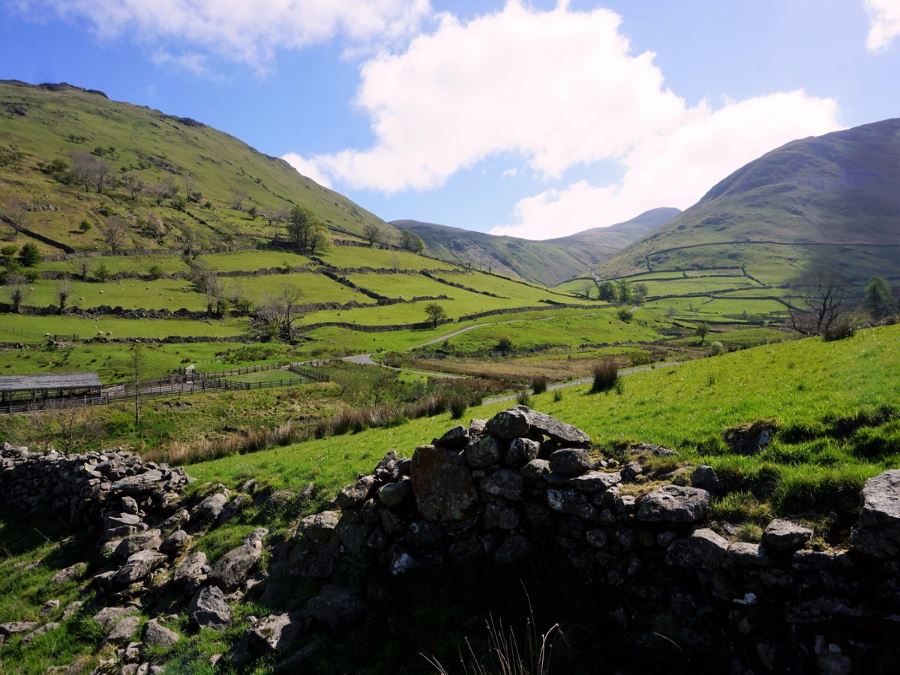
point(558, 89)
point(307, 168)
point(244, 31)
point(884, 23)
point(676, 167)
point(510, 173)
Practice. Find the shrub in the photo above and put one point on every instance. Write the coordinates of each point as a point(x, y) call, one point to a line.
point(716, 348)
point(557, 396)
point(538, 384)
point(606, 374)
point(504, 345)
point(155, 272)
point(625, 314)
point(458, 407)
point(29, 255)
point(844, 327)
point(523, 398)
point(101, 272)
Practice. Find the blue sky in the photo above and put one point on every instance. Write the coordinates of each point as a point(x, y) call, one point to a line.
point(535, 118)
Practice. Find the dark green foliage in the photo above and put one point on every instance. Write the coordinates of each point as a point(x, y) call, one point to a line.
point(878, 298)
point(29, 255)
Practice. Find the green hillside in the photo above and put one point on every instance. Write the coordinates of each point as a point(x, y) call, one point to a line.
point(828, 201)
point(547, 262)
point(169, 182)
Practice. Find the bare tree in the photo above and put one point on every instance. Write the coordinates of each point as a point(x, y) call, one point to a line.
point(88, 169)
point(63, 291)
point(17, 289)
point(237, 199)
point(823, 294)
point(133, 183)
point(214, 295)
point(282, 312)
point(71, 429)
point(373, 234)
point(114, 233)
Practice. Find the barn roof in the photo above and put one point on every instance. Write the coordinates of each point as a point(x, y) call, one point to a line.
point(57, 381)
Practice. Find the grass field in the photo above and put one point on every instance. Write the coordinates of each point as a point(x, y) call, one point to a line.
point(31, 329)
point(807, 386)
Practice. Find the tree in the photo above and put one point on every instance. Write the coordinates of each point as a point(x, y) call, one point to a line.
point(214, 295)
point(639, 294)
point(823, 293)
point(878, 298)
point(63, 291)
point(623, 291)
point(607, 291)
point(29, 255)
point(114, 233)
point(435, 313)
point(585, 291)
point(101, 272)
point(307, 233)
point(281, 313)
point(16, 289)
point(137, 374)
point(89, 170)
point(702, 330)
point(373, 234)
point(133, 183)
point(237, 199)
point(411, 242)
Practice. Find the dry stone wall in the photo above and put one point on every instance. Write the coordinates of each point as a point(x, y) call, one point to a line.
point(524, 489)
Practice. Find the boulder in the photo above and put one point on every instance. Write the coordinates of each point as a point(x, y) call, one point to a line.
point(570, 462)
point(703, 549)
point(556, 430)
point(509, 424)
point(157, 635)
point(750, 438)
point(442, 484)
point(394, 494)
point(15, 628)
point(123, 630)
point(536, 469)
point(192, 571)
point(785, 536)
point(141, 484)
point(595, 482)
point(570, 501)
point(877, 532)
point(521, 451)
point(133, 543)
point(69, 573)
point(208, 608)
point(456, 438)
point(673, 504)
point(275, 634)
point(335, 607)
point(747, 554)
point(138, 566)
point(233, 568)
point(483, 452)
point(211, 508)
point(319, 526)
point(176, 542)
point(505, 483)
point(705, 477)
point(500, 516)
point(353, 495)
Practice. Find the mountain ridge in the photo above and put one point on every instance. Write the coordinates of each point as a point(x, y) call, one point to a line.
point(549, 261)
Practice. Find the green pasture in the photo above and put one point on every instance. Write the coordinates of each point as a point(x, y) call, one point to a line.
point(116, 264)
point(250, 261)
point(310, 287)
point(351, 257)
point(31, 328)
point(169, 294)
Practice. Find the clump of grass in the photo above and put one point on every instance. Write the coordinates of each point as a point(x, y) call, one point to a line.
point(523, 398)
point(539, 384)
point(751, 532)
point(231, 444)
point(557, 396)
point(606, 374)
point(741, 507)
point(458, 407)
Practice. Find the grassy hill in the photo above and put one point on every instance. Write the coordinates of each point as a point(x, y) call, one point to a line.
point(830, 200)
point(547, 262)
point(172, 181)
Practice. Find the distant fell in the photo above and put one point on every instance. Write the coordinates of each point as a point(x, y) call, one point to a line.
point(831, 200)
point(167, 181)
point(548, 262)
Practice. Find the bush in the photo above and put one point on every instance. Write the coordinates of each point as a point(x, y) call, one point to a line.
point(84, 226)
point(155, 272)
point(625, 314)
point(523, 398)
point(504, 345)
point(458, 407)
point(844, 327)
point(557, 396)
point(101, 272)
point(716, 348)
point(605, 374)
point(29, 255)
point(538, 384)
